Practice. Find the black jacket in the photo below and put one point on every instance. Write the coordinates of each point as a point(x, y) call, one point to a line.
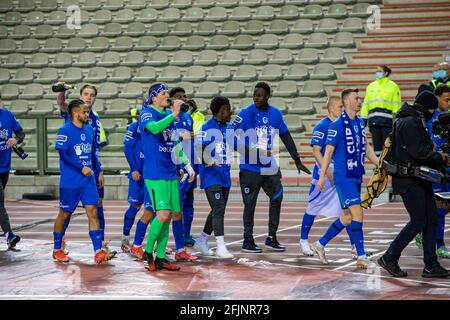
point(412, 145)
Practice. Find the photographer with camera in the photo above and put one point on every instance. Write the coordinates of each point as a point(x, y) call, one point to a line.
point(8, 125)
point(411, 165)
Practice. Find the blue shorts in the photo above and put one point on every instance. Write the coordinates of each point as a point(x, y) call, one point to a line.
point(349, 194)
point(441, 187)
point(138, 194)
point(70, 197)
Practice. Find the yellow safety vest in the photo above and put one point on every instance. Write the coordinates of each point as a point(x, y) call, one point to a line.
point(382, 99)
point(436, 83)
point(103, 138)
point(133, 113)
point(199, 120)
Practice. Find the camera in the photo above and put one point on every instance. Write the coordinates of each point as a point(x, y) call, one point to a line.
point(441, 128)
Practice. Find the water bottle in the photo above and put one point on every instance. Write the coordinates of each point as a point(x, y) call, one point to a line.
point(61, 87)
point(20, 152)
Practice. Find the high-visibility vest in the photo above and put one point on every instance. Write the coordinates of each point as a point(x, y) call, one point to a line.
point(435, 83)
point(382, 99)
point(199, 120)
point(103, 139)
point(133, 113)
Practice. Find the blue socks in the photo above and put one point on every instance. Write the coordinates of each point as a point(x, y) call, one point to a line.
point(57, 240)
point(440, 227)
point(128, 219)
point(350, 235)
point(178, 234)
point(335, 228)
point(358, 237)
point(141, 229)
point(96, 237)
point(307, 223)
point(188, 215)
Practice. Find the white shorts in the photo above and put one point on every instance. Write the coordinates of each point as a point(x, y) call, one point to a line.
point(325, 203)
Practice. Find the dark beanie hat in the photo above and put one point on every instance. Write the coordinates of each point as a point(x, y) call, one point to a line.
point(427, 99)
point(424, 87)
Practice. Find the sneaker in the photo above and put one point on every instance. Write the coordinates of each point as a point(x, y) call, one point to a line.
point(203, 248)
point(126, 247)
point(189, 241)
point(272, 243)
point(355, 254)
point(306, 248)
point(60, 256)
point(419, 241)
point(165, 264)
point(320, 251)
point(442, 252)
point(149, 263)
point(223, 253)
point(137, 252)
point(102, 256)
point(184, 255)
point(251, 247)
point(169, 251)
point(364, 263)
point(106, 248)
point(392, 267)
point(435, 272)
point(12, 242)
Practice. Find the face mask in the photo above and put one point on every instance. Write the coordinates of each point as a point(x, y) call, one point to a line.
point(379, 75)
point(139, 107)
point(440, 74)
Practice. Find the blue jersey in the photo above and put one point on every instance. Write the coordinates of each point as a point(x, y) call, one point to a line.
point(186, 124)
point(76, 151)
point(133, 144)
point(436, 139)
point(8, 125)
point(158, 148)
point(260, 129)
point(319, 138)
point(336, 138)
point(218, 141)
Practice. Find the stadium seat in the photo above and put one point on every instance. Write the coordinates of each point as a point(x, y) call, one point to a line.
point(75, 45)
point(182, 58)
point(89, 30)
point(170, 15)
point(159, 29)
point(62, 59)
point(256, 57)
point(250, 3)
point(32, 91)
point(96, 75)
point(29, 46)
point(294, 123)
point(5, 75)
point(34, 18)
point(159, 4)
point(327, 25)
point(308, 56)
point(133, 59)
point(147, 15)
point(118, 106)
point(281, 56)
point(102, 17)
point(205, 28)
point(20, 32)
point(38, 60)
point(323, 71)
point(19, 107)
point(135, 29)
point(115, 143)
point(253, 27)
point(217, 14)
point(279, 103)
point(264, 13)
point(88, 59)
point(47, 75)
point(204, 3)
point(220, 73)
point(112, 29)
point(72, 75)
point(113, 5)
point(231, 57)
point(317, 40)
point(42, 107)
point(99, 44)
point(245, 73)
point(352, 25)
point(181, 4)
point(123, 43)
point(286, 88)
point(313, 88)
point(241, 13)
point(218, 42)
point(288, 12)
point(206, 58)
point(43, 32)
point(3, 32)
point(99, 106)
point(54, 124)
point(333, 55)
point(302, 106)
point(207, 89)
point(10, 91)
point(243, 42)
point(12, 19)
point(271, 72)
point(337, 10)
point(195, 74)
point(278, 27)
point(7, 46)
point(63, 32)
point(193, 14)
point(343, 40)
point(146, 43)
point(23, 76)
point(157, 59)
point(188, 87)
point(229, 28)
point(360, 10)
point(182, 29)
point(108, 90)
point(170, 43)
point(303, 26)
point(194, 43)
point(92, 5)
point(170, 74)
point(14, 60)
point(313, 11)
point(52, 45)
point(297, 72)
point(56, 18)
point(145, 75)
point(6, 6)
point(292, 41)
point(267, 41)
point(136, 4)
point(227, 3)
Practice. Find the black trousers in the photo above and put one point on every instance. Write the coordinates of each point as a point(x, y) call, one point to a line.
point(217, 198)
point(251, 183)
point(379, 135)
point(421, 205)
point(4, 218)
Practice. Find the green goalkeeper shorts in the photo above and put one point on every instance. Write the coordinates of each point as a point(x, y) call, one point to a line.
point(165, 194)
